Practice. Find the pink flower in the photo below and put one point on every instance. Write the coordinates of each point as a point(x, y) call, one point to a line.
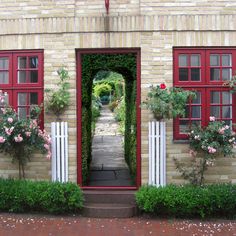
point(2, 139)
point(28, 134)
point(10, 119)
point(212, 118)
point(221, 131)
point(49, 155)
point(3, 110)
point(46, 146)
point(18, 138)
point(162, 86)
point(8, 131)
point(211, 149)
point(226, 127)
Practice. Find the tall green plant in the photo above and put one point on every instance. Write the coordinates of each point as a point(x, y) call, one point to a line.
point(58, 101)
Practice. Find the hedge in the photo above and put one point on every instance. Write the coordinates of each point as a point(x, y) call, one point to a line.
point(30, 196)
point(217, 200)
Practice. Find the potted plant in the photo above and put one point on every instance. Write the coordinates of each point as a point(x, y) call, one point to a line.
point(59, 100)
point(167, 103)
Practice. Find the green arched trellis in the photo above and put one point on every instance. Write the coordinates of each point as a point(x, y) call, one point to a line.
point(124, 64)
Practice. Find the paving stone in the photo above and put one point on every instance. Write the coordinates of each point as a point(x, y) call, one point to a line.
point(108, 166)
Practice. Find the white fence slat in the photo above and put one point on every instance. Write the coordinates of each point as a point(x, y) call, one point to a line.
point(157, 153)
point(62, 153)
point(66, 151)
point(59, 132)
point(150, 152)
point(54, 161)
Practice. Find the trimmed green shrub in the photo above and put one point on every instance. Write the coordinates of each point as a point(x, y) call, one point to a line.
point(186, 201)
point(29, 196)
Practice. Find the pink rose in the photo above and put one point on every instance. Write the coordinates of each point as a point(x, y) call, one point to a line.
point(10, 119)
point(46, 146)
point(18, 138)
point(212, 118)
point(2, 139)
point(9, 131)
point(221, 131)
point(211, 150)
point(28, 134)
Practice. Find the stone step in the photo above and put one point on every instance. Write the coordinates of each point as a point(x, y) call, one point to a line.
point(109, 210)
point(109, 196)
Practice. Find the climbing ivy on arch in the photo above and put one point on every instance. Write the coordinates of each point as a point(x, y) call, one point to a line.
point(125, 64)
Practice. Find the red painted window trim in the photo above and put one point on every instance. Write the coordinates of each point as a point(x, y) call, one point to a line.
point(12, 88)
point(205, 85)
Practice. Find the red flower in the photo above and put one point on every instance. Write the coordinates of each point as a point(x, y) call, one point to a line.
point(162, 86)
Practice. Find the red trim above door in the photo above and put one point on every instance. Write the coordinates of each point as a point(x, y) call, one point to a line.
point(80, 52)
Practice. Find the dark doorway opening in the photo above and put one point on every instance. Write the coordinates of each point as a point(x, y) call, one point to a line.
point(91, 172)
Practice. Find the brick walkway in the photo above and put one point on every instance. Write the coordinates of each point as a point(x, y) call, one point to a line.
point(36, 225)
point(108, 166)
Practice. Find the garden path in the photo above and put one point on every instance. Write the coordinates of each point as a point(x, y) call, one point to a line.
point(108, 166)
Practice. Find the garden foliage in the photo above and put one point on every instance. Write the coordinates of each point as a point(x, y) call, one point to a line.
point(186, 201)
point(29, 196)
point(19, 138)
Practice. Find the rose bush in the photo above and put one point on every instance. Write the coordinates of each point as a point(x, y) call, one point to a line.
point(206, 143)
point(21, 137)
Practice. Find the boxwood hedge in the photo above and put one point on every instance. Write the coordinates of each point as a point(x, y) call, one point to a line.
point(42, 196)
point(217, 200)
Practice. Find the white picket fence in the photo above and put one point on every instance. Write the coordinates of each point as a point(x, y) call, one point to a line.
point(157, 153)
point(59, 133)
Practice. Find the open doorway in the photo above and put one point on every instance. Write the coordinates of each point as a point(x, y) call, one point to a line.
point(108, 118)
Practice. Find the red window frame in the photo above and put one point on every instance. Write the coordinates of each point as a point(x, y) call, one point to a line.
point(205, 85)
point(13, 87)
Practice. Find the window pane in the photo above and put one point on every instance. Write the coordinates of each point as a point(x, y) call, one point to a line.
point(4, 77)
point(226, 60)
point(215, 111)
point(184, 126)
point(33, 98)
point(4, 63)
point(226, 74)
point(183, 74)
point(196, 112)
point(33, 62)
point(226, 97)
point(215, 60)
point(33, 76)
point(228, 122)
point(215, 97)
point(196, 122)
point(197, 100)
point(226, 112)
point(22, 112)
point(195, 60)
point(183, 60)
point(22, 77)
point(187, 111)
point(215, 74)
point(22, 62)
point(22, 99)
point(195, 74)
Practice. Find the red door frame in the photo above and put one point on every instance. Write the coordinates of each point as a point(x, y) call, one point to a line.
point(79, 52)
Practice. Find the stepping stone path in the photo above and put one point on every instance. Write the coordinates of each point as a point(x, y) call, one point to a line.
point(108, 166)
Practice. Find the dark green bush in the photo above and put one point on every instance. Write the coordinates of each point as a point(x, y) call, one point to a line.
point(216, 200)
point(42, 196)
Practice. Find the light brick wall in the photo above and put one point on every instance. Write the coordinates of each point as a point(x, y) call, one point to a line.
point(60, 27)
